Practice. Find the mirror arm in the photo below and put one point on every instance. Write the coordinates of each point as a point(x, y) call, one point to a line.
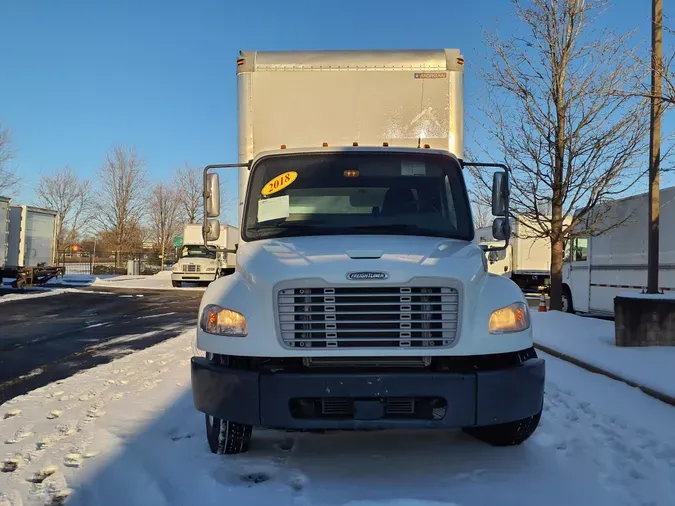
point(206, 194)
point(493, 165)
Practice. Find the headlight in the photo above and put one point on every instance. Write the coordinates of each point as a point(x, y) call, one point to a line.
point(176, 267)
point(210, 269)
point(513, 318)
point(223, 322)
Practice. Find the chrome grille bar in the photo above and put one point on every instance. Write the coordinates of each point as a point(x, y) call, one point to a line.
point(368, 317)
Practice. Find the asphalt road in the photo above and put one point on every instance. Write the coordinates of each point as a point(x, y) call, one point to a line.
point(49, 338)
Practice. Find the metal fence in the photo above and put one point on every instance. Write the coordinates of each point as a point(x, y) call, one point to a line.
point(88, 263)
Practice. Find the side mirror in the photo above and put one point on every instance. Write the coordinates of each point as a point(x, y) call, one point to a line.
point(501, 229)
point(500, 195)
point(211, 230)
point(213, 196)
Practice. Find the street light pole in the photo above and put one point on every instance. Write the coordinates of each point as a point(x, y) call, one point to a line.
point(655, 147)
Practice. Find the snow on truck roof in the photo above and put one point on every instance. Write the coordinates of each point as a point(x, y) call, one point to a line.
point(422, 59)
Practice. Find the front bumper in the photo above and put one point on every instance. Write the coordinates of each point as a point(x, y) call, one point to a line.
point(193, 276)
point(272, 399)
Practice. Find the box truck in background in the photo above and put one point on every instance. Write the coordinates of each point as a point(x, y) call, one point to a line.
point(526, 260)
point(4, 230)
point(200, 263)
point(359, 300)
point(32, 236)
point(598, 267)
point(28, 247)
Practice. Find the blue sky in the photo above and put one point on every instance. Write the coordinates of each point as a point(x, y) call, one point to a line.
point(77, 76)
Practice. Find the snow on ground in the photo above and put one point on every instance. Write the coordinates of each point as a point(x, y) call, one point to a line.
point(32, 294)
point(592, 341)
point(127, 433)
point(159, 281)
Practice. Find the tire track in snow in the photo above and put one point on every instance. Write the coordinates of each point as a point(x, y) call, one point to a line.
point(58, 429)
point(630, 456)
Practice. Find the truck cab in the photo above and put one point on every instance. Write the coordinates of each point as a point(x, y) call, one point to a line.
point(360, 299)
point(198, 263)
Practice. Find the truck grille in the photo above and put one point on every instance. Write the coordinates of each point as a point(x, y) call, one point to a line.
point(192, 268)
point(368, 317)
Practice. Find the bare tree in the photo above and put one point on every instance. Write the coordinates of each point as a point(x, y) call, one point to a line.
point(570, 141)
point(120, 201)
point(482, 217)
point(640, 85)
point(8, 179)
point(165, 207)
point(188, 181)
point(64, 192)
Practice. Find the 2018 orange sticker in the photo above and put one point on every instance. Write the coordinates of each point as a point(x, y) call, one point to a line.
point(279, 183)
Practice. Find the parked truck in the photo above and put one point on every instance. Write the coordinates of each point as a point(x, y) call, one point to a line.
point(598, 267)
point(359, 300)
point(203, 263)
point(29, 244)
point(526, 260)
point(4, 230)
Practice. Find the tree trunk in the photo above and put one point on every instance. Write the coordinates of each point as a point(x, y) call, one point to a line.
point(557, 246)
point(556, 274)
point(162, 252)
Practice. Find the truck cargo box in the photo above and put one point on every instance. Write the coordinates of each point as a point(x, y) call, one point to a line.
point(4, 229)
point(302, 99)
point(32, 236)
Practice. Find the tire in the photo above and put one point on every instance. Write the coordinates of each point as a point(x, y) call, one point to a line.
point(567, 305)
point(176, 284)
point(506, 434)
point(227, 438)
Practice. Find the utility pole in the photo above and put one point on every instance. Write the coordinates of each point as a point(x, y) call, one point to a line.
point(655, 147)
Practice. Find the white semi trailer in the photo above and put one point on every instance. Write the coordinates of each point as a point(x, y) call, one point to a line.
point(359, 300)
point(203, 263)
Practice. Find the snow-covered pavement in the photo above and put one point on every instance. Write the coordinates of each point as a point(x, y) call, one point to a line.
point(126, 433)
point(591, 341)
point(159, 281)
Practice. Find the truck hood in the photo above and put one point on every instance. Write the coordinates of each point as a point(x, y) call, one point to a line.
point(331, 258)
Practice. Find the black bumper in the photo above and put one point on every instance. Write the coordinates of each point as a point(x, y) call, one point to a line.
point(272, 399)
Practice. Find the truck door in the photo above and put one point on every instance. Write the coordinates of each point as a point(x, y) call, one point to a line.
point(576, 273)
point(499, 262)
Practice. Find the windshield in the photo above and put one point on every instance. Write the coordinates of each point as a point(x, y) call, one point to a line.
point(198, 251)
point(357, 193)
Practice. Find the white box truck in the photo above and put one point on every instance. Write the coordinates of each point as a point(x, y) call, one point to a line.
point(360, 300)
point(27, 244)
point(526, 260)
point(32, 236)
point(203, 263)
point(4, 229)
point(598, 267)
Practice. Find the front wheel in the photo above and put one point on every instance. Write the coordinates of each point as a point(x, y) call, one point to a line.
point(176, 284)
point(506, 434)
point(227, 438)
